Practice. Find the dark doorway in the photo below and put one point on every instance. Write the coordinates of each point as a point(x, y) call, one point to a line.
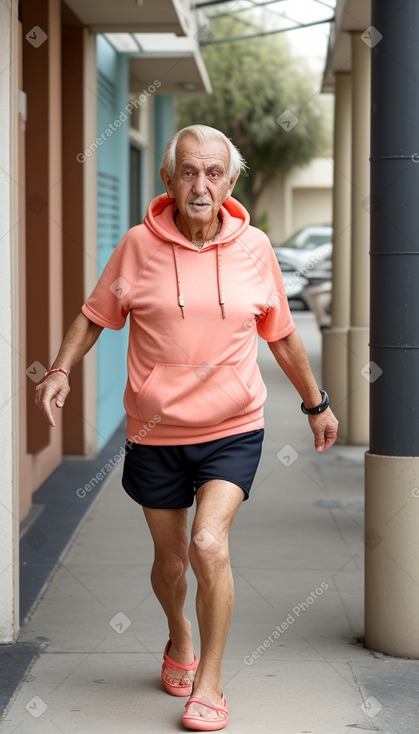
point(135, 186)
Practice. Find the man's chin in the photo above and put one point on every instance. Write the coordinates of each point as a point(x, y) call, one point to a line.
point(203, 214)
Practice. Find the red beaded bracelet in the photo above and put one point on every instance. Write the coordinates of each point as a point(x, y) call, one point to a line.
point(57, 369)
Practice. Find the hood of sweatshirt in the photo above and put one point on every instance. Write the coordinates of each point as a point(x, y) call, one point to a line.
point(160, 220)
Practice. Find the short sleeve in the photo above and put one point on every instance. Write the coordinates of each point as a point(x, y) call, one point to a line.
point(110, 302)
point(275, 320)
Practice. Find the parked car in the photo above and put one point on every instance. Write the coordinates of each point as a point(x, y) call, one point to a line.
point(303, 245)
point(305, 259)
point(295, 284)
point(319, 299)
point(310, 237)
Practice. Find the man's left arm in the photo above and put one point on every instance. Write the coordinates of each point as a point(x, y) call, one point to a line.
point(291, 356)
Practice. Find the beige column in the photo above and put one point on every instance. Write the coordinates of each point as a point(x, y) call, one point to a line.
point(335, 339)
point(391, 555)
point(358, 352)
point(9, 345)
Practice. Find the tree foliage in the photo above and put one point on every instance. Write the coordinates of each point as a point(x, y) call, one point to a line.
point(254, 82)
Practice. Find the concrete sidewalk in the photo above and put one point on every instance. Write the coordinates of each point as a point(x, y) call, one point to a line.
point(293, 661)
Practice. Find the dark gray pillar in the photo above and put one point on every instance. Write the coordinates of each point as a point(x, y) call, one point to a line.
point(394, 335)
point(392, 464)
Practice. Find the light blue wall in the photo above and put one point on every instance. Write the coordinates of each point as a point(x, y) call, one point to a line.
point(113, 222)
point(113, 211)
point(163, 131)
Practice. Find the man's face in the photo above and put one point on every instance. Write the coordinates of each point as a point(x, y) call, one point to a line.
point(200, 183)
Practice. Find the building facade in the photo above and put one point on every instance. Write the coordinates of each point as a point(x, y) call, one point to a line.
point(86, 104)
point(301, 198)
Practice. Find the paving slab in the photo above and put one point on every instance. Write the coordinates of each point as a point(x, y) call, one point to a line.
point(294, 661)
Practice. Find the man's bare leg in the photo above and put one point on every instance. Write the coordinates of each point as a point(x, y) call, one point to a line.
point(168, 530)
point(217, 504)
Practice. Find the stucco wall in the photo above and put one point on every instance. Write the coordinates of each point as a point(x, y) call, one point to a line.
point(303, 197)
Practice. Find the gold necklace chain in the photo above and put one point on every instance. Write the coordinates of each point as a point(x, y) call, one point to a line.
point(200, 245)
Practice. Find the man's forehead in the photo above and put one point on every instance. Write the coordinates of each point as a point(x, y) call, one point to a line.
point(192, 150)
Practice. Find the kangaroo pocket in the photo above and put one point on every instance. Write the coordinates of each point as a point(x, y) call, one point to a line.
point(193, 395)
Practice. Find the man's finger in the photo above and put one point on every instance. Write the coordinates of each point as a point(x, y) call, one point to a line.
point(46, 408)
point(319, 444)
point(61, 396)
point(330, 441)
point(45, 396)
point(50, 417)
point(330, 438)
point(43, 404)
point(46, 411)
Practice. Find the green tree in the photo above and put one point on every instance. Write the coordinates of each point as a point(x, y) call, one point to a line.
point(254, 82)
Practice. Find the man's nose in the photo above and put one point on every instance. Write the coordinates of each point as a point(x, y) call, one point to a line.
point(200, 184)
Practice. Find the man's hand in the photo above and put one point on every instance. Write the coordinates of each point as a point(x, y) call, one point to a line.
point(325, 429)
point(291, 356)
point(80, 337)
point(54, 388)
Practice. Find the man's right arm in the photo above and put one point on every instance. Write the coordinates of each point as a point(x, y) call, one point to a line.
point(80, 337)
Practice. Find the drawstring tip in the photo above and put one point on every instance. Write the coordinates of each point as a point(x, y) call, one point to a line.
point(223, 311)
point(182, 305)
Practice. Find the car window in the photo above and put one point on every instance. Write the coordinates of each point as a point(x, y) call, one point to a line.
point(296, 240)
point(307, 239)
point(308, 244)
point(320, 239)
point(312, 241)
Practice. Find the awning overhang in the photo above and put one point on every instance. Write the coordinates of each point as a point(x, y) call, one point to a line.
point(133, 16)
point(176, 62)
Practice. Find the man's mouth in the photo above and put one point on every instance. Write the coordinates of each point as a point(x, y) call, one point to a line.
point(199, 203)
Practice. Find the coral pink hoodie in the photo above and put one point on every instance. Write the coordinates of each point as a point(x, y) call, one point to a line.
point(192, 372)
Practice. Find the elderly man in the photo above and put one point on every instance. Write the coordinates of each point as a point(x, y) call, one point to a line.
point(200, 284)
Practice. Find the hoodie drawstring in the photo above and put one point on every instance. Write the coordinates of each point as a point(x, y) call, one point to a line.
point(180, 299)
point(220, 283)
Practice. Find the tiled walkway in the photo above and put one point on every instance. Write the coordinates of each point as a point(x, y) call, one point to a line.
point(293, 663)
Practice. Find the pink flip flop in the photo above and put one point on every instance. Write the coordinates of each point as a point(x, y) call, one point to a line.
point(193, 718)
point(177, 686)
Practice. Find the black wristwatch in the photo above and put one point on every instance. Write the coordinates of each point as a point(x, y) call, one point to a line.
point(318, 408)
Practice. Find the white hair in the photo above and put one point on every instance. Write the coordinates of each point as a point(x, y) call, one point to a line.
point(203, 134)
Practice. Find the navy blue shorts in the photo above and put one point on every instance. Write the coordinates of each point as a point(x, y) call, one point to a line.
point(168, 477)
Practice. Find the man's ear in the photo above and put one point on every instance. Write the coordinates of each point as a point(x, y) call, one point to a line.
point(232, 183)
point(167, 181)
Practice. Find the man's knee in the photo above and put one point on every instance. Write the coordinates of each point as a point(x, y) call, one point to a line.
point(208, 554)
point(170, 566)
